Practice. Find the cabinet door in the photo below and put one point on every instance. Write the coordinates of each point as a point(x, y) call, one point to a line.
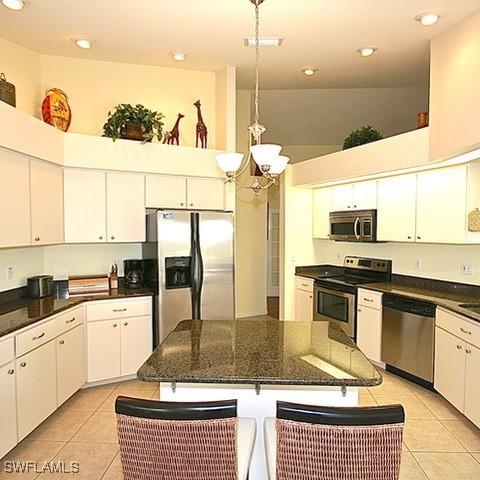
point(125, 207)
point(441, 205)
point(36, 387)
point(8, 409)
point(14, 199)
point(165, 192)
point(70, 363)
point(206, 193)
point(397, 201)
point(369, 332)
point(303, 305)
point(136, 343)
point(84, 206)
point(472, 385)
point(322, 202)
point(450, 368)
point(365, 195)
point(342, 197)
point(103, 347)
point(46, 190)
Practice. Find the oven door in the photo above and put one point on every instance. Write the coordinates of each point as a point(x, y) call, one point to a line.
point(335, 306)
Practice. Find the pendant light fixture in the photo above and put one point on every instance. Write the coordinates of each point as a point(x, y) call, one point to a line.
point(266, 156)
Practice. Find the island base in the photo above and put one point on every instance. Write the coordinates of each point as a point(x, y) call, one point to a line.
point(259, 403)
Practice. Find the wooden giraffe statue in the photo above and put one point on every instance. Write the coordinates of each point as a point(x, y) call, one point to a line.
point(173, 136)
point(202, 132)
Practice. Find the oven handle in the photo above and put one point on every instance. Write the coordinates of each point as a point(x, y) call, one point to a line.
point(355, 228)
point(334, 292)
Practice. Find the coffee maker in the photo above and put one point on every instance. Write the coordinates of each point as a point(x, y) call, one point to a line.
point(133, 270)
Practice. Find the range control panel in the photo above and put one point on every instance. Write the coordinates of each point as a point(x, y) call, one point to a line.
point(371, 264)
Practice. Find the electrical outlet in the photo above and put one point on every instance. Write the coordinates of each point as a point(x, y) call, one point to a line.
point(10, 273)
point(466, 269)
point(418, 264)
point(339, 257)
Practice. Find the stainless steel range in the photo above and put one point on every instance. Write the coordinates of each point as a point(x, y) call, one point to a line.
point(335, 294)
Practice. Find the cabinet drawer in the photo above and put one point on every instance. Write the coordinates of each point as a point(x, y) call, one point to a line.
point(33, 338)
point(7, 351)
point(367, 298)
point(69, 319)
point(119, 309)
point(459, 327)
point(303, 283)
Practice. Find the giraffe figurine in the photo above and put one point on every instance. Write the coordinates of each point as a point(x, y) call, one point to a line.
point(202, 132)
point(173, 136)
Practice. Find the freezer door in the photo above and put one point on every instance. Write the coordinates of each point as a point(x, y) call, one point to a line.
point(216, 245)
point(174, 304)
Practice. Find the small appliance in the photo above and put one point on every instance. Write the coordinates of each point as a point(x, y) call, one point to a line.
point(40, 286)
point(133, 270)
point(354, 226)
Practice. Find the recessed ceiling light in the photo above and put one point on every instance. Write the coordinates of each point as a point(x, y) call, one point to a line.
point(367, 51)
point(309, 71)
point(178, 56)
point(14, 4)
point(264, 41)
point(84, 43)
point(427, 19)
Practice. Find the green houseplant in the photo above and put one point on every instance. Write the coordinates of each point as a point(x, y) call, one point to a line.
point(133, 123)
point(361, 137)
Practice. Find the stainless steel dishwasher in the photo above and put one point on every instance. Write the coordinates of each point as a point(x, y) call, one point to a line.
point(408, 337)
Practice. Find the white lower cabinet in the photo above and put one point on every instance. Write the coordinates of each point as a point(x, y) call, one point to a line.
point(472, 385)
point(36, 387)
point(369, 332)
point(103, 347)
point(303, 299)
point(8, 409)
point(135, 343)
point(70, 363)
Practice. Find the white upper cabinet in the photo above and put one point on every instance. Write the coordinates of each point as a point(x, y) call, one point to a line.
point(165, 191)
point(84, 206)
point(441, 205)
point(125, 207)
point(322, 202)
point(355, 196)
point(397, 200)
point(46, 190)
point(205, 193)
point(14, 200)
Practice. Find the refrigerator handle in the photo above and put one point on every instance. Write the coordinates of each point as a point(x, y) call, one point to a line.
point(197, 266)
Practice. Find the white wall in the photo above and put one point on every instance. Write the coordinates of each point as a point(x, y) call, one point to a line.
point(441, 262)
point(26, 262)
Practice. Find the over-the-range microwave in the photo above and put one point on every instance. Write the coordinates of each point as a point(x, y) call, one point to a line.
point(354, 226)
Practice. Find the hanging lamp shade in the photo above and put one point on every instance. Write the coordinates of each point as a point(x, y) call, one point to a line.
point(279, 164)
point(265, 154)
point(229, 162)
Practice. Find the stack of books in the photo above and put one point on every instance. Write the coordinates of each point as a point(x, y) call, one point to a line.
point(88, 285)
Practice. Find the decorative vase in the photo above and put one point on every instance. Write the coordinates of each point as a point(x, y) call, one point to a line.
point(132, 131)
point(422, 119)
point(55, 109)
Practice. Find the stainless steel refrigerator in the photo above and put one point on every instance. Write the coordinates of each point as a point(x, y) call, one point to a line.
point(189, 261)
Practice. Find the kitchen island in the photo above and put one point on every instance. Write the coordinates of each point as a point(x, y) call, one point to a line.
point(259, 362)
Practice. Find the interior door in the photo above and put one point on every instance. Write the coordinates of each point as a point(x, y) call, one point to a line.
point(216, 244)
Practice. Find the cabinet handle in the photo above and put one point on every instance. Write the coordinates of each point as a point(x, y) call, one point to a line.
point(119, 310)
point(23, 364)
point(354, 206)
point(465, 331)
point(409, 237)
point(359, 310)
point(311, 296)
point(100, 237)
point(468, 351)
point(115, 325)
point(11, 371)
point(125, 324)
point(112, 237)
point(419, 238)
point(37, 239)
point(304, 284)
point(182, 204)
point(70, 321)
point(191, 204)
point(367, 300)
point(61, 342)
point(39, 336)
point(459, 347)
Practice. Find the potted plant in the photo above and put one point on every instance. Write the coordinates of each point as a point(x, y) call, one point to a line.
point(133, 123)
point(361, 137)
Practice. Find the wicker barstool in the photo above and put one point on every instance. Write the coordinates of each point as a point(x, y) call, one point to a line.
point(318, 443)
point(183, 441)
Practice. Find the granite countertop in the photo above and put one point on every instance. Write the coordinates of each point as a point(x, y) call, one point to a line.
point(449, 295)
point(252, 351)
point(22, 312)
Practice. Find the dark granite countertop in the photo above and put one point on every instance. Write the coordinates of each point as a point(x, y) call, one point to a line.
point(22, 312)
point(252, 351)
point(449, 295)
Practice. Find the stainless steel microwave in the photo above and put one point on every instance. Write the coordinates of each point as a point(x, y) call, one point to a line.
point(354, 226)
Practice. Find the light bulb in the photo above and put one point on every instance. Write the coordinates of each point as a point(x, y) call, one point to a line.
point(427, 19)
point(367, 51)
point(14, 4)
point(84, 43)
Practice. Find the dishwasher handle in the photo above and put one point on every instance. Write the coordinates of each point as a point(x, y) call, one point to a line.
point(409, 305)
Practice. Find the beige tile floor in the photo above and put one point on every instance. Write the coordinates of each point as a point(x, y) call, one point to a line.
point(439, 443)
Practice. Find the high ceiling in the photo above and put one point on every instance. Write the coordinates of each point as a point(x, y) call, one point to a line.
point(324, 34)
